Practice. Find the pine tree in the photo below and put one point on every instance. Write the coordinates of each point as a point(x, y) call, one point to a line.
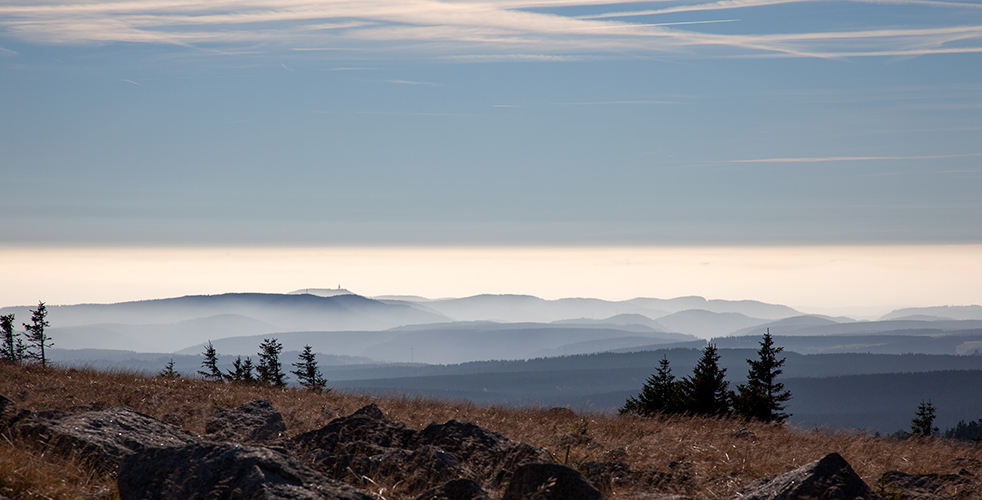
point(168, 371)
point(269, 369)
point(241, 371)
point(307, 372)
point(923, 422)
point(13, 348)
point(761, 397)
point(659, 394)
point(37, 339)
point(210, 364)
point(705, 393)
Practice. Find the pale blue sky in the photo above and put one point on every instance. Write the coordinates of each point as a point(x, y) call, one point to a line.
point(503, 122)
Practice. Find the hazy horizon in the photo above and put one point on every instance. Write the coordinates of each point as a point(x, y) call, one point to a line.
point(822, 154)
point(860, 282)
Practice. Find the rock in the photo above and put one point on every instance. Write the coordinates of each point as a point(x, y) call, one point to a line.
point(912, 486)
point(549, 482)
point(576, 440)
point(255, 422)
point(172, 419)
point(10, 414)
point(367, 424)
point(830, 478)
point(745, 433)
point(603, 474)
point(616, 455)
point(458, 489)
point(365, 443)
point(224, 471)
point(968, 463)
point(106, 436)
point(420, 468)
point(482, 450)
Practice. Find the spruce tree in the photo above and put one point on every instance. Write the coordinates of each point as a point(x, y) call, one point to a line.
point(762, 398)
point(659, 394)
point(210, 364)
point(269, 369)
point(923, 422)
point(307, 372)
point(12, 348)
point(705, 392)
point(241, 371)
point(37, 339)
point(168, 371)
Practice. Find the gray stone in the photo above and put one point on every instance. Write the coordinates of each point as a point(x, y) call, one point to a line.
point(913, 486)
point(458, 489)
point(484, 451)
point(224, 471)
point(105, 436)
point(255, 422)
point(549, 482)
point(367, 424)
point(830, 478)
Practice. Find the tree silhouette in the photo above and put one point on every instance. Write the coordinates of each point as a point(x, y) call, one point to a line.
point(13, 347)
point(307, 372)
point(269, 369)
point(761, 397)
point(37, 338)
point(241, 371)
point(705, 392)
point(660, 393)
point(168, 371)
point(210, 364)
point(923, 422)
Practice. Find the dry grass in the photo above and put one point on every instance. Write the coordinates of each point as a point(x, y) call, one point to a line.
point(721, 462)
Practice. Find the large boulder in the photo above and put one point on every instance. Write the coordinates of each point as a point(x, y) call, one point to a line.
point(549, 482)
point(224, 471)
point(367, 424)
point(458, 489)
point(255, 422)
point(483, 450)
point(104, 437)
point(830, 478)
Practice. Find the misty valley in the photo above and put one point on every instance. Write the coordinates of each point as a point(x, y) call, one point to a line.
point(517, 350)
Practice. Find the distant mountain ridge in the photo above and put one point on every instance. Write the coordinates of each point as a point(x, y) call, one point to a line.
point(160, 324)
point(944, 312)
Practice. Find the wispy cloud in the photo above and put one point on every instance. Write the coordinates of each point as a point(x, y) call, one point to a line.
point(602, 103)
point(130, 81)
point(409, 82)
point(849, 158)
point(465, 30)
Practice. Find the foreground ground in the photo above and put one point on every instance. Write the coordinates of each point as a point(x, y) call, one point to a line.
point(723, 460)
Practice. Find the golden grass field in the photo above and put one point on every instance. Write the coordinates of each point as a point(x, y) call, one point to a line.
point(721, 462)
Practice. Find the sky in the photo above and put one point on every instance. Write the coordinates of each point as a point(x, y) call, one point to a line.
point(508, 134)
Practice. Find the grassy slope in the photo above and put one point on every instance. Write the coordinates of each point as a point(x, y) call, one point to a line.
point(722, 463)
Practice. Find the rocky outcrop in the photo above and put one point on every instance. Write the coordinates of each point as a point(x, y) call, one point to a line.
point(367, 425)
point(550, 482)
point(913, 486)
point(104, 437)
point(830, 478)
point(962, 485)
point(255, 422)
point(367, 444)
point(224, 471)
point(458, 489)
